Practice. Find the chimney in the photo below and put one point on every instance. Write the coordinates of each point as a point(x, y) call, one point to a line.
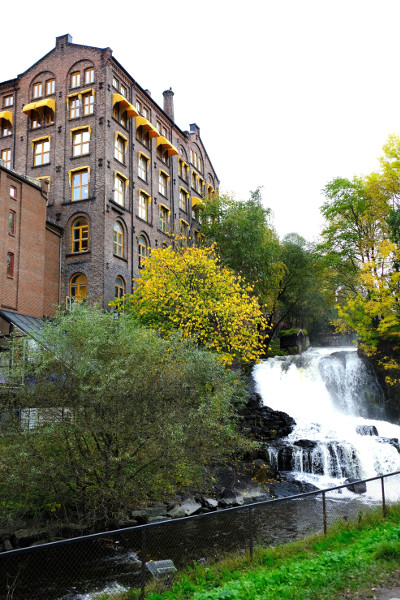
point(169, 103)
point(62, 40)
point(148, 92)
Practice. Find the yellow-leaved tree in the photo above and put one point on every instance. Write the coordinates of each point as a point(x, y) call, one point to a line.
point(187, 289)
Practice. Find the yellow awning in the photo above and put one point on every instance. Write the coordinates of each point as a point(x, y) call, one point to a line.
point(197, 202)
point(49, 102)
point(124, 177)
point(82, 128)
point(40, 139)
point(147, 126)
point(125, 105)
point(166, 144)
point(7, 115)
point(85, 168)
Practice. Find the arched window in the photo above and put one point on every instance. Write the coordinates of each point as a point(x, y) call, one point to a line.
point(78, 287)
point(80, 235)
point(142, 250)
point(119, 287)
point(118, 239)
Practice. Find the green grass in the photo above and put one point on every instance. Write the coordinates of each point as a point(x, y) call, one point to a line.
point(346, 563)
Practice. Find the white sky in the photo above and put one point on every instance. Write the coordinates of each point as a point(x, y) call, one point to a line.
point(288, 94)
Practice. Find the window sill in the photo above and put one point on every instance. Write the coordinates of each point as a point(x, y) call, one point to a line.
point(120, 257)
point(40, 166)
point(77, 201)
point(115, 205)
point(79, 155)
point(78, 254)
point(143, 220)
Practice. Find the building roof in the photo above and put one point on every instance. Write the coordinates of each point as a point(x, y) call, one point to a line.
point(29, 325)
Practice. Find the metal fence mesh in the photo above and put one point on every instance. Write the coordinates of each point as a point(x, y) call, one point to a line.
point(89, 566)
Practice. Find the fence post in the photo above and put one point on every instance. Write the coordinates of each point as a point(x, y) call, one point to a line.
point(250, 523)
point(383, 497)
point(324, 511)
point(143, 570)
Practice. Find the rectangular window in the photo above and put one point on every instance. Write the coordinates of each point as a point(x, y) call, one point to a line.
point(194, 180)
point(115, 83)
point(74, 107)
point(80, 185)
point(143, 206)
point(183, 228)
point(80, 142)
point(162, 183)
point(119, 149)
point(13, 191)
point(5, 128)
point(10, 264)
point(88, 104)
point(89, 75)
point(8, 100)
point(11, 222)
point(182, 200)
point(38, 90)
point(123, 91)
point(119, 190)
point(75, 79)
point(41, 152)
point(163, 219)
point(142, 167)
point(50, 87)
point(6, 157)
point(48, 116)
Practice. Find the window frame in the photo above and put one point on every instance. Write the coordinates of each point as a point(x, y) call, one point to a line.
point(120, 144)
point(37, 90)
point(88, 103)
point(10, 264)
point(82, 238)
point(8, 159)
point(7, 98)
point(11, 221)
point(75, 80)
point(143, 205)
point(80, 285)
point(118, 240)
point(80, 144)
point(142, 254)
point(74, 107)
point(44, 153)
point(143, 166)
point(52, 84)
point(82, 185)
point(89, 71)
point(119, 290)
point(163, 223)
point(162, 183)
point(14, 194)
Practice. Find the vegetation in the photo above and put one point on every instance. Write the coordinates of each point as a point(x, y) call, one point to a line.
point(346, 563)
point(123, 416)
point(187, 290)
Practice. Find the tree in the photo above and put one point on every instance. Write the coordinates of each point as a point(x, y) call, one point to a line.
point(123, 416)
point(187, 289)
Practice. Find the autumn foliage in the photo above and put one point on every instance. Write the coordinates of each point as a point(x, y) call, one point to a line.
point(187, 289)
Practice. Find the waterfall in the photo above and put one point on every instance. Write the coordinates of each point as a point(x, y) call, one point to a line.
point(338, 406)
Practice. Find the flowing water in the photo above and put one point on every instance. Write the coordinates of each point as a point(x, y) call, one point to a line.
point(338, 406)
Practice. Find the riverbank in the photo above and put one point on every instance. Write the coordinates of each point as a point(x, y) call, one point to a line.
point(348, 563)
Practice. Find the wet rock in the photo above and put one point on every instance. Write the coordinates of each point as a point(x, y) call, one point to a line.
point(357, 486)
point(231, 498)
point(366, 430)
point(210, 503)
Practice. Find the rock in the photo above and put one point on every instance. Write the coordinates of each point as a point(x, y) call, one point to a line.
point(140, 516)
point(357, 486)
point(266, 424)
point(366, 430)
point(27, 537)
point(156, 519)
point(185, 509)
point(231, 498)
point(210, 503)
point(7, 545)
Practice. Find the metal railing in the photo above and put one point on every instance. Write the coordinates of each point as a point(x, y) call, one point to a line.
point(79, 568)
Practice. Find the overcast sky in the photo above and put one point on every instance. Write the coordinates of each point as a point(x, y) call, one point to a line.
point(288, 94)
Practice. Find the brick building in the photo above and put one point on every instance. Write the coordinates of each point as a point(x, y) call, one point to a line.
point(121, 173)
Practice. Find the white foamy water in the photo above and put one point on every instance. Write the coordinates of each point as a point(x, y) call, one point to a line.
point(330, 393)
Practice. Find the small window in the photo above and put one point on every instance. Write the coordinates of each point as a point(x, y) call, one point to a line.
point(11, 222)
point(75, 79)
point(6, 157)
point(183, 197)
point(123, 91)
point(143, 136)
point(88, 103)
point(118, 240)
point(80, 235)
point(162, 154)
point(80, 142)
point(183, 228)
point(38, 90)
point(119, 114)
point(89, 75)
point(13, 191)
point(143, 165)
point(8, 100)
point(142, 251)
point(119, 287)
point(163, 219)
point(119, 148)
point(50, 87)
point(5, 128)
point(80, 185)
point(120, 183)
point(143, 209)
point(36, 119)
point(48, 116)
point(78, 287)
point(115, 83)
point(162, 183)
point(10, 264)
point(74, 107)
point(41, 152)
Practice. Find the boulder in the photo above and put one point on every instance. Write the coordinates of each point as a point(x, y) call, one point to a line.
point(356, 486)
point(210, 503)
point(366, 430)
point(185, 509)
point(231, 498)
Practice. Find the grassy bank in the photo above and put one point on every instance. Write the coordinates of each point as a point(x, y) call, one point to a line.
point(346, 563)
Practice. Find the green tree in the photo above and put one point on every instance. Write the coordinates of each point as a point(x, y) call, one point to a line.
point(123, 416)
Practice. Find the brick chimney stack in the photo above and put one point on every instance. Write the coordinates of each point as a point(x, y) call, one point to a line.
point(169, 103)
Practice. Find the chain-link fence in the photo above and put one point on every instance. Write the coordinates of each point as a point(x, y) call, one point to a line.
point(89, 566)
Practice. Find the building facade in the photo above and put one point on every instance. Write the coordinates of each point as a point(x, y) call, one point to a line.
point(122, 175)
